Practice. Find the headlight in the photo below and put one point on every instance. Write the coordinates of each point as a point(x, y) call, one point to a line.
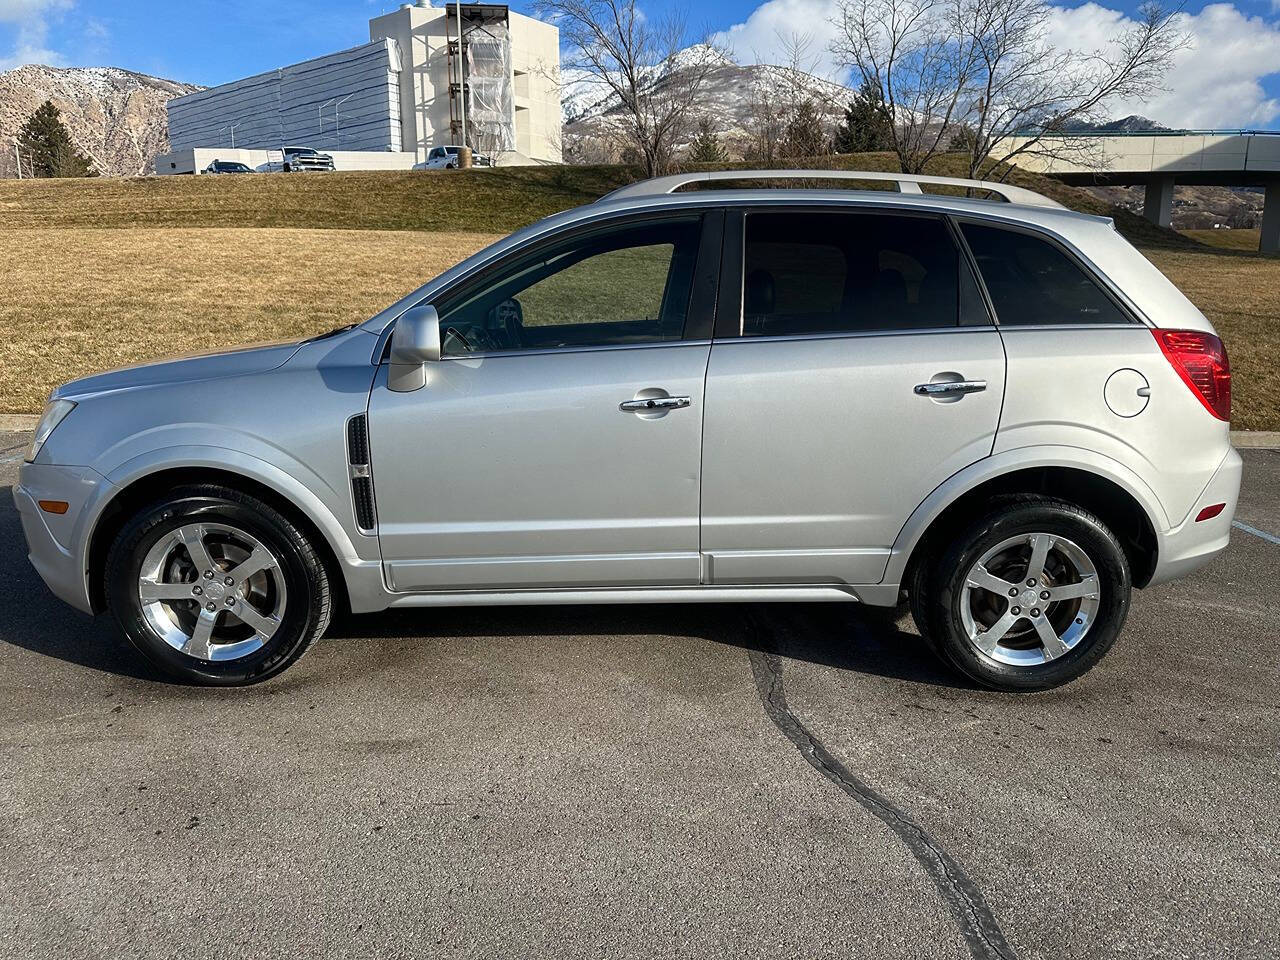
point(55, 411)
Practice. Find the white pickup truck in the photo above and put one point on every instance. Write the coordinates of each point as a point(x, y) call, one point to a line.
point(301, 160)
point(446, 158)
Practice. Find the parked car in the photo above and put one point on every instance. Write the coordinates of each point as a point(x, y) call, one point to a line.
point(446, 158)
point(302, 160)
point(1001, 408)
point(227, 166)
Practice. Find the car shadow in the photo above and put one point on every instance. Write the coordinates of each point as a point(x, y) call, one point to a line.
point(837, 636)
point(34, 619)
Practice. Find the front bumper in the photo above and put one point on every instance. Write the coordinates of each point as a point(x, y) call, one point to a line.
point(1191, 545)
point(58, 544)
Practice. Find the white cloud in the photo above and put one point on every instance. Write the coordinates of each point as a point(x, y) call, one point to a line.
point(31, 18)
point(762, 37)
point(1215, 82)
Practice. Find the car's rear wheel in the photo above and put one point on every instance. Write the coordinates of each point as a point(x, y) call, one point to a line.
point(215, 586)
point(1028, 596)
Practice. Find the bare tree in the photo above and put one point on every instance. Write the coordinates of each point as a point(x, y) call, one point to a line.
point(987, 68)
point(766, 123)
point(1242, 218)
point(791, 104)
point(645, 63)
point(917, 54)
point(1025, 94)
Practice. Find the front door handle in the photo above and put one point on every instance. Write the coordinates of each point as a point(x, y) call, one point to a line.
point(955, 388)
point(654, 403)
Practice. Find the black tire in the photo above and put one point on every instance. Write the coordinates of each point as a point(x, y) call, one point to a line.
point(919, 587)
point(937, 609)
point(304, 618)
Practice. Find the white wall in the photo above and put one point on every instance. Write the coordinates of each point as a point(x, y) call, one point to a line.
point(195, 160)
point(422, 34)
point(1177, 153)
point(535, 59)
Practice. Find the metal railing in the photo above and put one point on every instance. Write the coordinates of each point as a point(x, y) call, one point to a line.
point(1101, 134)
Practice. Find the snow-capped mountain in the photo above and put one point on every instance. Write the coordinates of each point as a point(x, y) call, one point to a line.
point(730, 93)
point(116, 117)
point(1129, 124)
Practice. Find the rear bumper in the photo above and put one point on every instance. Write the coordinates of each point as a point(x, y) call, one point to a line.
point(57, 544)
point(1191, 545)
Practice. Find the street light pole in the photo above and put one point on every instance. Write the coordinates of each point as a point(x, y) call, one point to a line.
point(337, 125)
point(462, 75)
point(320, 113)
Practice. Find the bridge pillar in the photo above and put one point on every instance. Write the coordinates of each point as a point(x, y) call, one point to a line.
point(1269, 241)
point(1157, 206)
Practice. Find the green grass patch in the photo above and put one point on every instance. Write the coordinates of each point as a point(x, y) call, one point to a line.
point(1245, 241)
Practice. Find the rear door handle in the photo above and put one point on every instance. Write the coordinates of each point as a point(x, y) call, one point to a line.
point(950, 388)
point(654, 403)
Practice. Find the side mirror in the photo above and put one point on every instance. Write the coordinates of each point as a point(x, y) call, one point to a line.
point(414, 342)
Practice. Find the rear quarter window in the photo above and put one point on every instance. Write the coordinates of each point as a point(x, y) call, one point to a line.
point(1033, 282)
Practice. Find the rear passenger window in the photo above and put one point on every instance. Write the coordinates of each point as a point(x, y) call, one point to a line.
point(1033, 282)
point(819, 272)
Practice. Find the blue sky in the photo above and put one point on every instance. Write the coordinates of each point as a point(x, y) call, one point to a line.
point(1230, 77)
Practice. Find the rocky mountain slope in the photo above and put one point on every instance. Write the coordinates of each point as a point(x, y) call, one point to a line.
point(116, 117)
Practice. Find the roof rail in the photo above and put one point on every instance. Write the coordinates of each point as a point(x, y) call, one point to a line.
point(906, 182)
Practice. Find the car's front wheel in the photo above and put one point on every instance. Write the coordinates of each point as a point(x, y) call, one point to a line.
point(1027, 596)
point(217, 587)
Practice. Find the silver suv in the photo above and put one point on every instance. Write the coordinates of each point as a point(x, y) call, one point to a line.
point(995, 405)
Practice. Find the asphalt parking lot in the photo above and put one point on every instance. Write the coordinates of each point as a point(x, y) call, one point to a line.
point(771, 781)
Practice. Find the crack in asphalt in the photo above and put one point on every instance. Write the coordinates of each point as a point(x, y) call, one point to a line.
point(977, 924)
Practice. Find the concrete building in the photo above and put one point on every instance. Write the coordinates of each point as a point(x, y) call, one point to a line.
point(512, 78)
point(1161, 160)
point(404, 92)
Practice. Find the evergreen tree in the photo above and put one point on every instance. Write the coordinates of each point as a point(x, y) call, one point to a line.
point(962, 141)
point(803, 135)
point(706, 147)
point(866, 127)
point(46, 148)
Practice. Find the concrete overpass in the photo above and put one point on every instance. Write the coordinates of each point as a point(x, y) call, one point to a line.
point(1160, 160)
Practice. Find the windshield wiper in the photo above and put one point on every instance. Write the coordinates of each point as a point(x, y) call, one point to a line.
point(332, 333)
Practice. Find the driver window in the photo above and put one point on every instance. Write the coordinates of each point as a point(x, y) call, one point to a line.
point(630, 285)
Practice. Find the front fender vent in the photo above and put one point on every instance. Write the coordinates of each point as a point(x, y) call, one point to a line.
point(358, 441)
point(362, 493)
point(361, 476)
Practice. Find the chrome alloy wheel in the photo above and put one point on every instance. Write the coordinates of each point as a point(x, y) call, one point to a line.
point(1030, 599)
point(212, 591)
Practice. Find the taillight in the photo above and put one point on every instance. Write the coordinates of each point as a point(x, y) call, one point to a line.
point(1201, 361)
